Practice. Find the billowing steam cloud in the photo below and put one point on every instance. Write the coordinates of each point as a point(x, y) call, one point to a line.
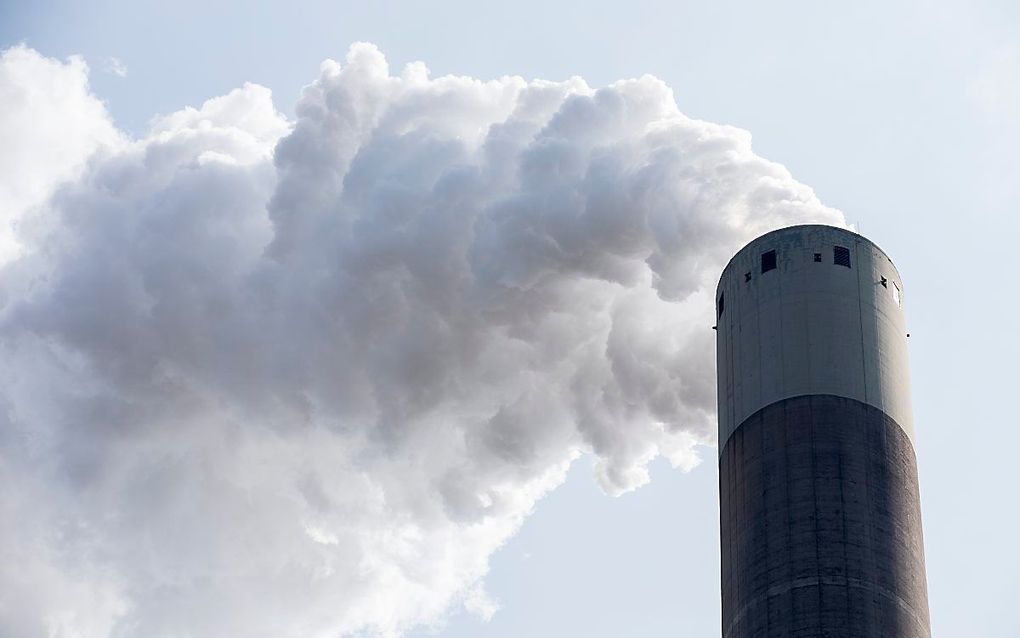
point(272, 378)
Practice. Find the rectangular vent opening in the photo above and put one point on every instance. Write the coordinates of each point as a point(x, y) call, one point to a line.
point(841, 256)
point(818, 257)
point(721, 304)
point(768, 261)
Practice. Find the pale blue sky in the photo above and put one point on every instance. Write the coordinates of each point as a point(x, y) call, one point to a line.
point(904, 115)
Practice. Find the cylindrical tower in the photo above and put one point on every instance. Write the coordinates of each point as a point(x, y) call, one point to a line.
point(819, 506)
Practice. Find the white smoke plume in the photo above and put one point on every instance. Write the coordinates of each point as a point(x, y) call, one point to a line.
point(262, 377)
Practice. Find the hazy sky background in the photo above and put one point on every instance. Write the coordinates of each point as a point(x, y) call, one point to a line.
point(903, 115)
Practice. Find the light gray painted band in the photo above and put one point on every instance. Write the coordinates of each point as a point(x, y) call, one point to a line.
point(810, 327)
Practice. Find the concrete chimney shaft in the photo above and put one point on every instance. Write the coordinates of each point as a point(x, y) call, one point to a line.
point(819, 506)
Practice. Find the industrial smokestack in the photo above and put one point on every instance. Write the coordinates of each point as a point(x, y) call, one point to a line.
point(820, 514)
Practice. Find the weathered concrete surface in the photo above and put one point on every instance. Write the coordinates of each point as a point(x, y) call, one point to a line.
point(821, 524)
point(811, 327)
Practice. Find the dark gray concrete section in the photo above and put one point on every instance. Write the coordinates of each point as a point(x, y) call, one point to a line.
point(821, 524)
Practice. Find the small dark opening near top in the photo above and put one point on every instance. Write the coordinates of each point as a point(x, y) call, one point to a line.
point(841, 256)
point(747, 276)
point(768, 261)
point(721, 301)
point(818, 257)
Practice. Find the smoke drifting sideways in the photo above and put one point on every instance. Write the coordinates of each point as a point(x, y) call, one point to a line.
point(263, 377)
